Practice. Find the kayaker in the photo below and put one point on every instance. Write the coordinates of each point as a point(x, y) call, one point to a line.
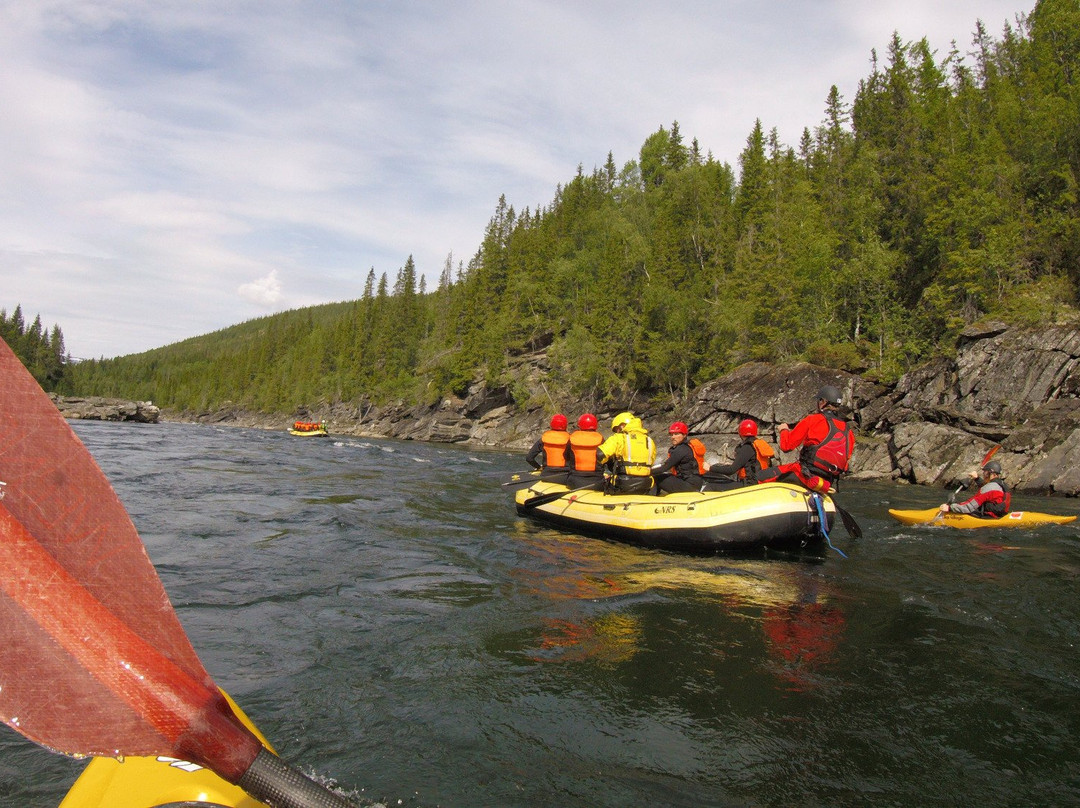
point(993, 500)
point(585, 468)
point(679, 472)
point(629, 453)
point(752, 457)
point(826, 442)
point(551, 452)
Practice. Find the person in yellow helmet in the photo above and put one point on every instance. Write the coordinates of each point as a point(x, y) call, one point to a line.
point(630, 454)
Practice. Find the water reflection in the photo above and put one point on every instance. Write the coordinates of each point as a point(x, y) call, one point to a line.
point(618, 590)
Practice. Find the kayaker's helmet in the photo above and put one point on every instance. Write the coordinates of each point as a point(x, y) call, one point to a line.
point(747, 428)
point(993, 467)
point(830, 395)
point(558, 421)
point(621, 420)
point(678, 428)
point(587, 421)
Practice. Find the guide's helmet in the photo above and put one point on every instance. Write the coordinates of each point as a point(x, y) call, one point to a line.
point(830, 395)
point(678, 428)
point(587, 421)
point(993, 467)
point(558, 421)
point(747, 428)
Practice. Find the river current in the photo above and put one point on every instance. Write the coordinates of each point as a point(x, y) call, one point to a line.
point(388, 621)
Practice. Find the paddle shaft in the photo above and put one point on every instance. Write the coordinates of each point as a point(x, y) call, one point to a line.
point(537, 476)
point(543, 499)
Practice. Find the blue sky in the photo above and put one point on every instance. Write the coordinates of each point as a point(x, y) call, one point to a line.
point(172, 168)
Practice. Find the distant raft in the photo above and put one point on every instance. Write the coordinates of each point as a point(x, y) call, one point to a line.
point(309, 429)
point(932, 516)
point(775, 516)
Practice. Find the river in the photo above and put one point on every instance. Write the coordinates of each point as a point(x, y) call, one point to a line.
point(385, 617)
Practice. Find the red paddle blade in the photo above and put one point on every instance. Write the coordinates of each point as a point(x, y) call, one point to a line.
point(93, 659)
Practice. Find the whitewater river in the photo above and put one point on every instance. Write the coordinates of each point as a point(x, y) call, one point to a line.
point(385, 617)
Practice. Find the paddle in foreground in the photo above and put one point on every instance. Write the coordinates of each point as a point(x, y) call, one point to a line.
point(93, 659)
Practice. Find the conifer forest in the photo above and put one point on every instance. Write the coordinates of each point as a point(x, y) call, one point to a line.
point(945, 192)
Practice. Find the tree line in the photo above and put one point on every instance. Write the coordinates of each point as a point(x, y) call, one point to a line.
point(946, 191)
point(41, 350)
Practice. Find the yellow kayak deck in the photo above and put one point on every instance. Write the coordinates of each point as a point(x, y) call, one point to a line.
point(143, 782)
point(932, 516)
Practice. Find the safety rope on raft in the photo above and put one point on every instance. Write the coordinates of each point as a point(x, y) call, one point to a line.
point(823, 522)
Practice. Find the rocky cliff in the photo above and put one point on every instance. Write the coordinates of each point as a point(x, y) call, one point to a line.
point(1013, 387)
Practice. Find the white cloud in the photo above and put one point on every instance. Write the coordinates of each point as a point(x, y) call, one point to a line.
point(265, 291)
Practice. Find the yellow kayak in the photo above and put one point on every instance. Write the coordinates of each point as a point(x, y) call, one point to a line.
point(932, 516)
point(773, 515)
point(146, 782)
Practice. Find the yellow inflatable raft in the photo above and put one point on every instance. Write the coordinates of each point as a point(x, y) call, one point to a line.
point(774, 515)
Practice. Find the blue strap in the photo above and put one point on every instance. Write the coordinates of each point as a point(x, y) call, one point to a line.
point(823, 522)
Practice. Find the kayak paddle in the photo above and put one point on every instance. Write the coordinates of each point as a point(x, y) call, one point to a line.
point(93, 659)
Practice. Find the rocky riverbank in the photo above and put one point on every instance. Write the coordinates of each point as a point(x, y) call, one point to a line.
point(1008, 386)
point(95, 408)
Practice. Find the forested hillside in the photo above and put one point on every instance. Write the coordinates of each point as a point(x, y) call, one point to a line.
point(944, 192)
point(41, 350)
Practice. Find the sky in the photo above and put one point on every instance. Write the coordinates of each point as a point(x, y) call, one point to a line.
point(169, 168)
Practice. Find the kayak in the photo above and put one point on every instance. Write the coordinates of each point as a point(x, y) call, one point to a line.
point(776, 516)
point(932, 516)
point(147, 782)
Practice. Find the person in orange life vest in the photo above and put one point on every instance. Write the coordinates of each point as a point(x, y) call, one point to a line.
point(680, 471)
point(551, 451)
point(827, 443)
point(752, 456)
point(585, 466)
point(993, 500)
point(630, 453)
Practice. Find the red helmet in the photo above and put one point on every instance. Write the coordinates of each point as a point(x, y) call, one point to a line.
point(747, 428)
point(587, 421)
point(558, 421)
point(678, 427)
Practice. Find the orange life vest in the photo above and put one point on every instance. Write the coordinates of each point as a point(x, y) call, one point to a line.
point(764, 453)
point(584, 443)
point(554, 442)
point(698, 448)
